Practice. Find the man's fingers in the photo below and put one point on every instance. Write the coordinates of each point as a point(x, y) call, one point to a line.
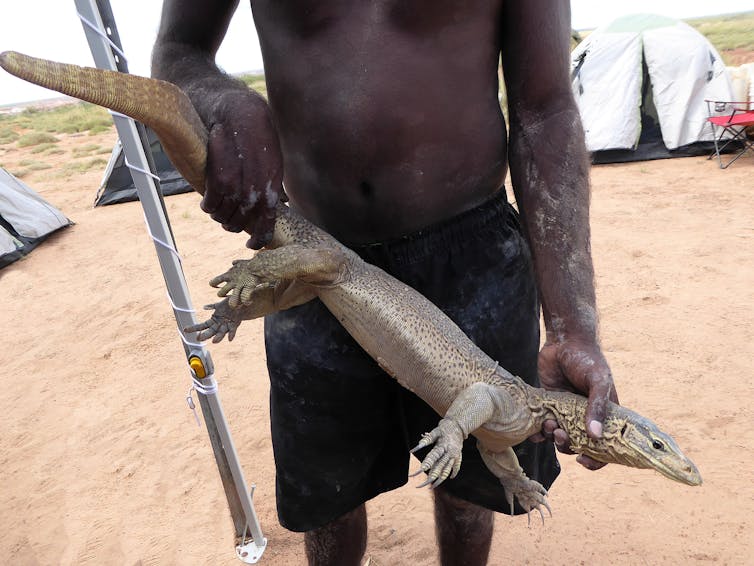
point(589, 463)
point(537, 437)
point(225, 212)
point(230, 227)
point(551, 431)
point(595, 414)
point(562, 441)
point(236, 222)
point(211, 200)
point(596, 409)
point(262, 233)
point(548, 427)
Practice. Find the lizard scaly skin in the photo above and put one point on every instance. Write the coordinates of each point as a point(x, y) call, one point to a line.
point(406, 334)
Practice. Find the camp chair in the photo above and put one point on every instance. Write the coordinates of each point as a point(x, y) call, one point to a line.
point(730, 119)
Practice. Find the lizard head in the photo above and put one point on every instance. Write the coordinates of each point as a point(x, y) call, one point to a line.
point(633, 440)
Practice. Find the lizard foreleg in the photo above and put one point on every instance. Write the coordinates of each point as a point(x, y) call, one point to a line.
point(319, 266)
point(471, 409)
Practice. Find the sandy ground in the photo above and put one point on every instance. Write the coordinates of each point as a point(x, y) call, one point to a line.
point(102, 462)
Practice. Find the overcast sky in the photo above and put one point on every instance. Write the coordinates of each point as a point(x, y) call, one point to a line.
point(51, 29)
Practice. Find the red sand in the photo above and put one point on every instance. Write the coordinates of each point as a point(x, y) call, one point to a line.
point(102, 462)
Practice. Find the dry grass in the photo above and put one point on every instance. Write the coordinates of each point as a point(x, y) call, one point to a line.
point(66, 119)
point(734, 31)
point(36, 138)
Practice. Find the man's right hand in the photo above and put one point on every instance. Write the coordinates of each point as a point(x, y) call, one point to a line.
point(244, 166)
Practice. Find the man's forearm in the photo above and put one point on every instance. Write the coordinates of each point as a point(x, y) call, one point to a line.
point(196, 73)
point(190, 34)
point(549, 170)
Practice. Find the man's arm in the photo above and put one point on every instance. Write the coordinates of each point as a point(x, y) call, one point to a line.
point(244, 163)
point(549, 171)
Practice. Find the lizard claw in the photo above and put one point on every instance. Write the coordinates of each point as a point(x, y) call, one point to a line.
point(541, 513)
point(416, 473)
point(427, 439)
point(531, 496)
point(444, 460)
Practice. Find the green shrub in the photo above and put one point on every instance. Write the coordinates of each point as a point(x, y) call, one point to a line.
point(85, 150)
point(7, 135)
point(34, 165)
point(44, 148)
point(39, 166)
point(84, 166)
point(66, 119)
point(36, 138)
point(99, 128)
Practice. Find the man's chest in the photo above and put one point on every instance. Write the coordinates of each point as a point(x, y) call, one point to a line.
point(309, 17)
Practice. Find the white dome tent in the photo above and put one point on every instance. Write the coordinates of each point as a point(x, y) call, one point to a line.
point(26, 219)
point(641, 82)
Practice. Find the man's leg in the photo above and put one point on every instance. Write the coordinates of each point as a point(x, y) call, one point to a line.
point(464, 530)
point(341, 542)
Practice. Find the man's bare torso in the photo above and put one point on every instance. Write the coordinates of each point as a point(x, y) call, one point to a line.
point(387, 112)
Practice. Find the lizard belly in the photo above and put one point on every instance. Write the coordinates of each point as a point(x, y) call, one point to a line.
point(497, 441)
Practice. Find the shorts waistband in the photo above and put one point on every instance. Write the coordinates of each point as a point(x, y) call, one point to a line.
point(494, 214)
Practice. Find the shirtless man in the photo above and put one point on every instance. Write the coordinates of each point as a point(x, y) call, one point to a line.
point(384, 124)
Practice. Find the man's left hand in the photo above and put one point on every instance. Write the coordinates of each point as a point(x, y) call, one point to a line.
point(577, 366)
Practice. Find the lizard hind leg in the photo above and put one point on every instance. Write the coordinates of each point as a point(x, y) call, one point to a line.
point(530, 494)
point(319, 266)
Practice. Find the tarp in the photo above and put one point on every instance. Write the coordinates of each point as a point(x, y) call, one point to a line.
point(25, 219)
point(118, 186)
point(647, 72)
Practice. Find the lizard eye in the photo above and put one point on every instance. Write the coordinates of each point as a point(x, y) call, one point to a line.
point(657, 445)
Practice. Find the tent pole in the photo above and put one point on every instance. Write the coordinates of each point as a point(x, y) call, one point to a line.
point(104, 42)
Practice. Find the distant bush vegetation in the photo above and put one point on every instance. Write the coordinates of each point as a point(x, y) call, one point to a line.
point(726, 33)
point(66, 119)
point(35, 138)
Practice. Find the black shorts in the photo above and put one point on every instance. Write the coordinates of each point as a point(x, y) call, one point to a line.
point(342, 428)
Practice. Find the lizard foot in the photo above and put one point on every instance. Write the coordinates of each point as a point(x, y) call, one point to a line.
point(324, 266)
point(224, 321)
point(531, 496)
point(243, 278)
point(444, 460)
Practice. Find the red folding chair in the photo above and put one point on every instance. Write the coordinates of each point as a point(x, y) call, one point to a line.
point(729, 121)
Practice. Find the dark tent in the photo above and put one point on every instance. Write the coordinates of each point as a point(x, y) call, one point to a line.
point(118, 186)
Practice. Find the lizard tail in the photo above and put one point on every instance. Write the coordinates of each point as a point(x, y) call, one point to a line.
point(160, 105)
